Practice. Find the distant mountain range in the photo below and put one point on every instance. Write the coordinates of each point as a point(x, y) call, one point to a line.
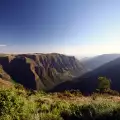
point(92, 63)
point(39, 71)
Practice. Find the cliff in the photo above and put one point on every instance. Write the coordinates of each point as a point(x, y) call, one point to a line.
point(40, 71)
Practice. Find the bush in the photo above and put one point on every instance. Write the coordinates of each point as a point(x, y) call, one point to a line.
point(103, 84)
point(14, 107)
point(67, 93)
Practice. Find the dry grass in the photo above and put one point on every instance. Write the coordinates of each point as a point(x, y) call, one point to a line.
point(6, 84)
point(81, 100)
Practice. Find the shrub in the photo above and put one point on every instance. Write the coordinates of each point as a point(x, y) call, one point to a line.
point(19, 86)
point(14, 107)
point(103, 84)
point(67, 93)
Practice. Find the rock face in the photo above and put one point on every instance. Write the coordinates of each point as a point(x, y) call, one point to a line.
point(40, 71)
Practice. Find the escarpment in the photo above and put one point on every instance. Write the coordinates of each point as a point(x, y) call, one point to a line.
point(41, 71)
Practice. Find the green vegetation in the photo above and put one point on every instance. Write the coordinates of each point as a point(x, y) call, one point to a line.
point(17, 103)
point(104, 84)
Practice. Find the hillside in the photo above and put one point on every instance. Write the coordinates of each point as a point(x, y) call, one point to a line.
point(88, 82)
point(97, 61)
point(40, 71)
point(22, 104)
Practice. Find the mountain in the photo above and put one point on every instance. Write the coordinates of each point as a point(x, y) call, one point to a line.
point(40, 71)
point(88, 82)
point(97, 61)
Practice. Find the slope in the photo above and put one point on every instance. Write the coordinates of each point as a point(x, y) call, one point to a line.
point(88, 82)
point(97, 61)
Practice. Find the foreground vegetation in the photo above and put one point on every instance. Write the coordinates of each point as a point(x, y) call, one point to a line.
point(16, 103)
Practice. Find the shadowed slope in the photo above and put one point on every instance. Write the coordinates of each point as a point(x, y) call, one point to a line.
point(97, 61)
point(88, 82)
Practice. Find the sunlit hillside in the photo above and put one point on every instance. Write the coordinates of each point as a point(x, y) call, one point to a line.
point(16, 103)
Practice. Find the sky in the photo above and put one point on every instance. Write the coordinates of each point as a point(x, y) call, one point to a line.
point(72, 27)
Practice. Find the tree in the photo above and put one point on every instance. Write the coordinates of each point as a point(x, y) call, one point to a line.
point(103, 84)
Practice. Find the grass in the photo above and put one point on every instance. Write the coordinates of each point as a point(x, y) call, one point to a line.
point(17, 103)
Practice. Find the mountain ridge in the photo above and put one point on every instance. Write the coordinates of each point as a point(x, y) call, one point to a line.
point(94, 62)
point(41, 71)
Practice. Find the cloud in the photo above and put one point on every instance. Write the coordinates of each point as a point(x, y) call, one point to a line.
point(2, 45)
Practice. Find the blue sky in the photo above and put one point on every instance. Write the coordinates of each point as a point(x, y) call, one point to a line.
point(74, 27)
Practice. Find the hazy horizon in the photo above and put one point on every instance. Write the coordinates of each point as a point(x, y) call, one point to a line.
point(71, 27)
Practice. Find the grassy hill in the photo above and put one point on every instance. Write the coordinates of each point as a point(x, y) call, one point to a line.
point(17, 103)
